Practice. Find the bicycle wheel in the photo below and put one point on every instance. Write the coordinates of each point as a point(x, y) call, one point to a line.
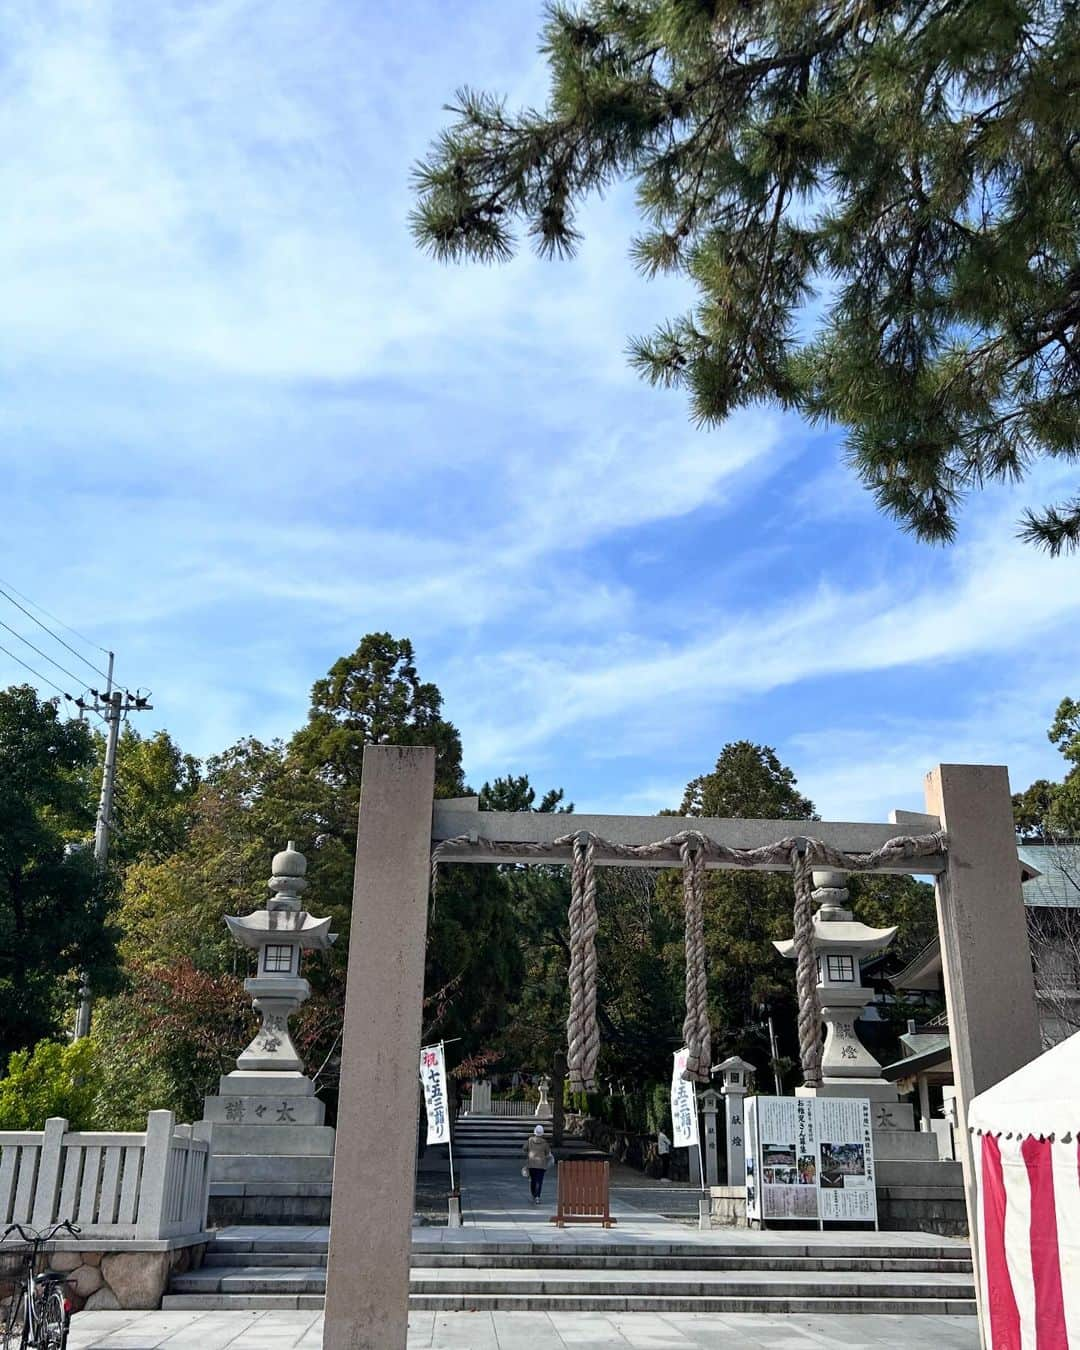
point(14, 1326)
point(54, 1321)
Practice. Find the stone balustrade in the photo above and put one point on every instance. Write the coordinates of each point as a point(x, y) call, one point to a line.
point(140, 1186)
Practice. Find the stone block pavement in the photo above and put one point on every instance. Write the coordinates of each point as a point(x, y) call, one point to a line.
point(528, 1331)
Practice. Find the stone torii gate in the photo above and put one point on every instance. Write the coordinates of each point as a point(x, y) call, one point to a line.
point(989, 987)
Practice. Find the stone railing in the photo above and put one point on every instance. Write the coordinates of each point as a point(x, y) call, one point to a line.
point(147, 1185)
point(511, 1107)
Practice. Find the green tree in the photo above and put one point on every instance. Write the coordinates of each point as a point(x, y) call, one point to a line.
point(876, 204)
point(250, 800)
point(1051, 811)
point(50, 1080)
point(532, 1029)
point(745, 912)
point(156, 783)
point(53, 910)
point(375, 697)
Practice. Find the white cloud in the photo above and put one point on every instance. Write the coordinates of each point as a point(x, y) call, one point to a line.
point(245, 421)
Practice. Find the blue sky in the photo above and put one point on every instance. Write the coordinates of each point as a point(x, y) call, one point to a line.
point(243, 422)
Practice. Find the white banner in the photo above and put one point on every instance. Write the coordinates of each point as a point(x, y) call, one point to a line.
point(433, 1077)
point(684, 1117)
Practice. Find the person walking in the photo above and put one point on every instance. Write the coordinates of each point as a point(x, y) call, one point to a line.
point(538, 1155)
point(663, 1148)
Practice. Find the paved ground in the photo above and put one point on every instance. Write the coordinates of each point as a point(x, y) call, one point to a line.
point(529, 1331)
point(496, 1207)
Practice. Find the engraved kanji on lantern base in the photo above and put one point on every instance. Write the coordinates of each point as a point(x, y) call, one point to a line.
point(848, 1069)
point(269, 1126)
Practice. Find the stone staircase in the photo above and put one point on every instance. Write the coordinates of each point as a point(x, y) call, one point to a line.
point(500, 1138)
point(603, 1276)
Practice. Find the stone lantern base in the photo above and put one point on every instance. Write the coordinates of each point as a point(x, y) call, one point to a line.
point(273, 1157)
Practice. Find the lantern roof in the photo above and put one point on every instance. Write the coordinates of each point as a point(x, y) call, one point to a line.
point(283, 920)
point(843, 935)
point(275, 925)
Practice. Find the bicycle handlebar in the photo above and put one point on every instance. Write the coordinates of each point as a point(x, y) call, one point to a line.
point(31, 1235)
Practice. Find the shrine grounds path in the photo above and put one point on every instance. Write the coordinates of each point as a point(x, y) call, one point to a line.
point(496, 1206)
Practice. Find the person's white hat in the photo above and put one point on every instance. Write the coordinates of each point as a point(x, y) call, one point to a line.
point(539, 1129)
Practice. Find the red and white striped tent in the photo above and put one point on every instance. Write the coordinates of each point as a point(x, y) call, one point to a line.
point(1026, 1146)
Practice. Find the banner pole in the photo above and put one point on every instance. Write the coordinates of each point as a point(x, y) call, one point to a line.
point(449, 1123)
point(697, 1131)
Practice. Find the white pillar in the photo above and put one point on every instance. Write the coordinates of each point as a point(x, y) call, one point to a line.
point(924, 1101)
point(710, 1102)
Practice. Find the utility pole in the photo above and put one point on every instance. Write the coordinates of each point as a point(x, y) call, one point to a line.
point(112, 706)
point(775, 1057)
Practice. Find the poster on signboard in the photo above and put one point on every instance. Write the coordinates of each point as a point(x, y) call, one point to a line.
point(684, 1118)
point(810, 1158)
point(433, 1077)
point(846, 1186)
point(788, 1162)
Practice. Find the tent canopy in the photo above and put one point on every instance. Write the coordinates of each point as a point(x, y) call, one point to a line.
point(1041, 1099)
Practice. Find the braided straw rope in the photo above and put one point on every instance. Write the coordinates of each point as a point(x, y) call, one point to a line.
point(696, 1035)
point(798, 852)
point(809, 1008)
point(582, 1037)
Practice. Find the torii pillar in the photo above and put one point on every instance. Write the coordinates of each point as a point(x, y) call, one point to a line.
point(367, 1279)
point(985, 950)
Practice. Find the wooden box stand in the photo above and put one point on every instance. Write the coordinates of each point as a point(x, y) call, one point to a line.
point(582, 1195)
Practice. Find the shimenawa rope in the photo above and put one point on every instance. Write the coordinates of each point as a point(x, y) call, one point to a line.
point(694, 848)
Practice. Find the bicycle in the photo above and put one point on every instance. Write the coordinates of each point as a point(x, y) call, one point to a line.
point(39, 1314)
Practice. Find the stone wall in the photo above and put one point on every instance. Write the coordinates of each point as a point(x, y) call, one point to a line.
point(108, 1280)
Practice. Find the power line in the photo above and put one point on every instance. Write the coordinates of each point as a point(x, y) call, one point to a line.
point(36, 673)
point(55, 618)
point(68, 673)
point(55, 636)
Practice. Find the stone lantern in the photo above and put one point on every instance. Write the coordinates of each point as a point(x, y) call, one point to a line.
point(735, 1082)
point(269, 1129)
point(848, 1069)
point(279, 934)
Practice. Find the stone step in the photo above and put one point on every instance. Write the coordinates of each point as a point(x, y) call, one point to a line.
point(636, 1302)
point(895, 1307)
point(781, 1251)
point(452, 1260)
point(593, 1284)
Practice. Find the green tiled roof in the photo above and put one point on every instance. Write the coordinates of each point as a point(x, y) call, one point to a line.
point(1058, 885)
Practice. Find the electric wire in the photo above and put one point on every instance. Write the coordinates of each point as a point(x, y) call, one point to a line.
point(70, 674)
point(55, 636)
point(55, 618)
point(37, 673)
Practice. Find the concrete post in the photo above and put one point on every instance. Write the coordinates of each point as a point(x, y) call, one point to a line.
point(985, 951)
point(47, 1190)
point(367, 1285)
point(155, 1175)
point(710, 1102)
